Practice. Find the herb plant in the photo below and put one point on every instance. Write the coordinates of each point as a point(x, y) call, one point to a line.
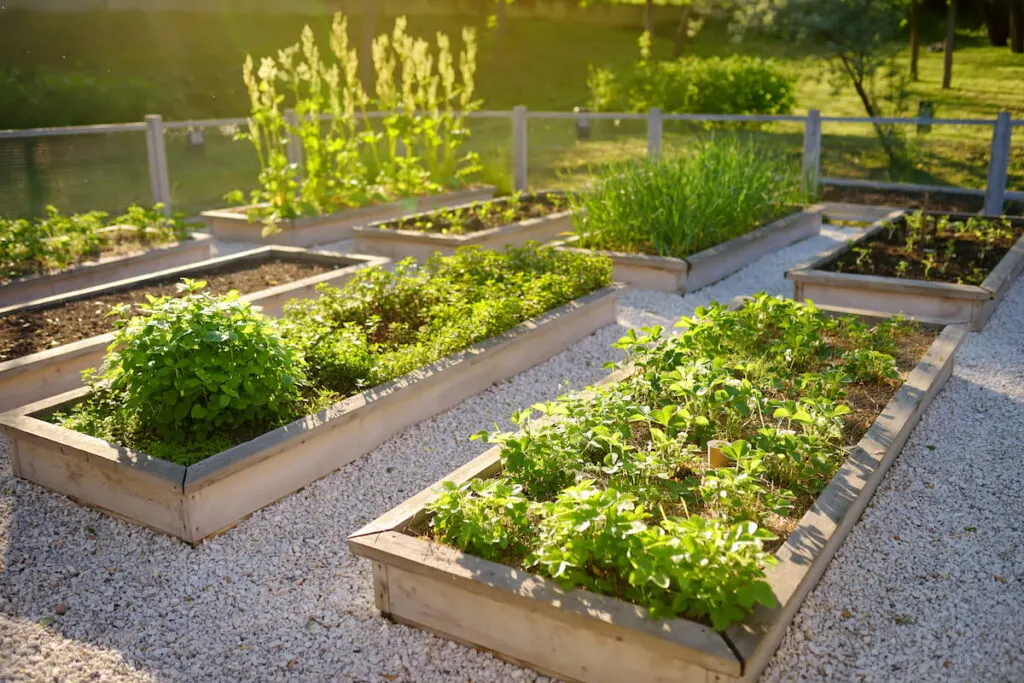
point(349, 160)
point(195, 367)
point(58, 241)
point(188, 377)
point(678, 206)
point(479, 216)
point(612, 489)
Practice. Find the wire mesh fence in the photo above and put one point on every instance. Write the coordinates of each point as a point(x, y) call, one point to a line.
point(110, 167)
point(75, 173)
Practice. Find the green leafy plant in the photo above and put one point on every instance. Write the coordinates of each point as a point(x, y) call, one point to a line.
point(347, 160)
point(170, 385)
point(198, 365)
point(609, 489)
point(59, 241)
point(737, 84)
point(681, 205)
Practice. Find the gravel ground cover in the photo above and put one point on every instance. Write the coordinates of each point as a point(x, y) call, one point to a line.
point(933, 574)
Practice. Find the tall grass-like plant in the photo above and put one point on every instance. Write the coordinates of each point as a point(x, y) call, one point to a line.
point(681, 205)
point(347, 160)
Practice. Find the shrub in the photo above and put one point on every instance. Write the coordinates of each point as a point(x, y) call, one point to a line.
point(200, 365)
point(680, 205)
point(737, 84)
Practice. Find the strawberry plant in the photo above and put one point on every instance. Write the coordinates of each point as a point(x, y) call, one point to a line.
point(58, 241)
point(612, 489)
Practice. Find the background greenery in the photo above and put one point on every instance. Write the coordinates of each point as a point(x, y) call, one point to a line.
point(121, 65)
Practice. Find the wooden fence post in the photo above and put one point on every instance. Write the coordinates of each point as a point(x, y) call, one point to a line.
point(998, 165)
point(654, 131)
point(156, 149)
point(519, 148)
point(812, 152)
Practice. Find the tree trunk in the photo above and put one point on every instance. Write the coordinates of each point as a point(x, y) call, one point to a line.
point(915, 36)
point(996, 17)
point(649, 17)
point(882, 131)
point(681, 33)
point(1017, 26)
point(947, 62)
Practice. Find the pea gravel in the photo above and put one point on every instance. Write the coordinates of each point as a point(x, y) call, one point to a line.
point(87, 597)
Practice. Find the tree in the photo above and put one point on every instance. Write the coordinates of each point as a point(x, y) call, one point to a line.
point(649, 17)
point(947, 60)
point(995, 14)
point(915, 36)
point(858, 41)
point(1016, 25)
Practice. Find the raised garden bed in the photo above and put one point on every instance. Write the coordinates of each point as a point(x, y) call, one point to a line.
point(493, 224)
point(214, 494)
point(234, 224)
point(578, 634)
point(107, 269)
point(681, 275)
point(952, 269)
point(45, 344)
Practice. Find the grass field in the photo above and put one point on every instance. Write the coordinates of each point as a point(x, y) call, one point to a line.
point(194, 64)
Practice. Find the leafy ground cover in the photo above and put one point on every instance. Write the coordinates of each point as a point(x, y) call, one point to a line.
point(480, 216)
point(612, 489)
point(683, 204)
point(58, 241)
point(924, 246)
point(193, 375)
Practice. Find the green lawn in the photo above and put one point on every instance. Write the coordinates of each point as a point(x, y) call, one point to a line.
point(194, 62)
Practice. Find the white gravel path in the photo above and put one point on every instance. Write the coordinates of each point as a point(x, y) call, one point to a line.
point(280, 598)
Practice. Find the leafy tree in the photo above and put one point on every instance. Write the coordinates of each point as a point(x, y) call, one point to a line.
point(857, 39)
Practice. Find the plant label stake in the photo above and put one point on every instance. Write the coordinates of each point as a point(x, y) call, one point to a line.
point(716, 458)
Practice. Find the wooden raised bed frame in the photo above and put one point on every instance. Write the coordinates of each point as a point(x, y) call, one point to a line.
point(878, 295)
point(582, 636)
point(195, 502)
point(399, 244)
point(678, 275)
point(47, 373)
point(234, 224)
point(107, 270)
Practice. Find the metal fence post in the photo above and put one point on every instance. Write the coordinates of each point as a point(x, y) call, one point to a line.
point(294, 148)
point(654, 130)
point(156, 148)
point(812, 152)
point(519, 148)
point(998, 164)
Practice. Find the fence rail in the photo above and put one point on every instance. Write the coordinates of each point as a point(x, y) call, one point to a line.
point(995, 193)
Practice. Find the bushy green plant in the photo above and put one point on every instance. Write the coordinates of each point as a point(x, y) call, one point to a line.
point(721, 189)
point(738, 84)
point(198, 366)
point(59, 241)
point(385, 323)
point(349, 160)
point(612, 491)
point(191, 376)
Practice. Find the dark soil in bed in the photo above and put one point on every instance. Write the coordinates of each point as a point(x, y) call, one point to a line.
point(483, 215)
point(953, 257)
point(40, 329)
